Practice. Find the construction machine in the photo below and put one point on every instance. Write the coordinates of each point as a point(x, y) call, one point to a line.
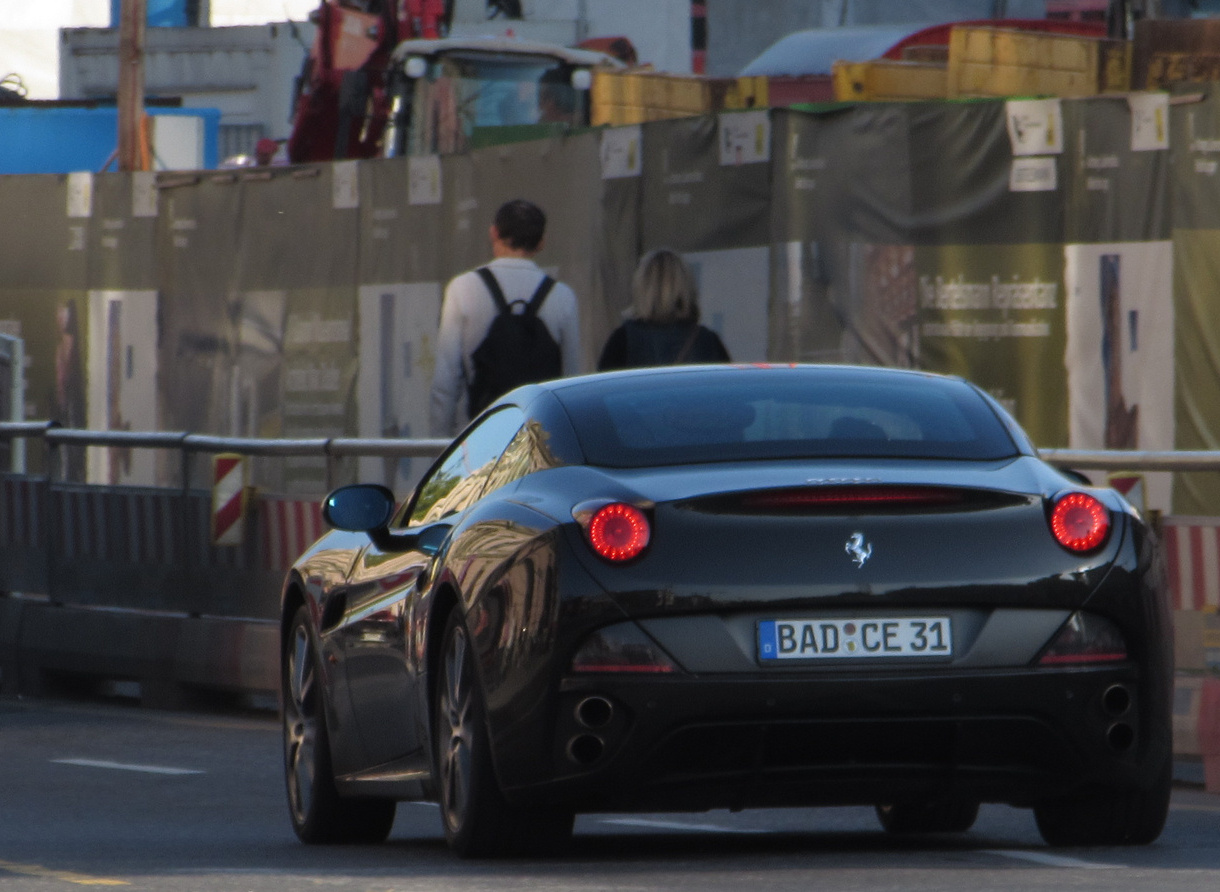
point(382, 79)
point(340, 104)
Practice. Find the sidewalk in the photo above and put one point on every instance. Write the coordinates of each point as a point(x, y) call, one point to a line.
point(1188, 772)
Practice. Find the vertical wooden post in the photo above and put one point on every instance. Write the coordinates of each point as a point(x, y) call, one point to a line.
point(132, 19)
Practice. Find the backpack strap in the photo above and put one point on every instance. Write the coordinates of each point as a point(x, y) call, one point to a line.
point(544, 288)
point(497, 293)
point(493, 286)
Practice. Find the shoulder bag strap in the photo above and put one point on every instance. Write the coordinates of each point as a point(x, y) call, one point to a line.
point(690, 342)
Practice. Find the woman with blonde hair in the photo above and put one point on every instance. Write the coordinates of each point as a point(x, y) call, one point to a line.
point(663, 328)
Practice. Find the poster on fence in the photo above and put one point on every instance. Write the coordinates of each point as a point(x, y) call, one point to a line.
point(1120, 349)
point(122, 375)
point(1196, 257)
point(398, 325)
point(321, 356)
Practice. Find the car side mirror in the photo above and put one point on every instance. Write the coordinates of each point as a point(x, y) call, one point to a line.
point(368, 508)
point(359, 508)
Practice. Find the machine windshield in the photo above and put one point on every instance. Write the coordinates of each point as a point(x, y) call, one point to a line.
point(465, 101)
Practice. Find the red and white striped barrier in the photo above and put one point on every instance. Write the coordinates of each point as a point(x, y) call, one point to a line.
point(148, 527)
point(1192, 557)
point(228, 499)
point(288, 528)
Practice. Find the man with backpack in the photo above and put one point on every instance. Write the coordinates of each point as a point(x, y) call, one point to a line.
point(502, 325)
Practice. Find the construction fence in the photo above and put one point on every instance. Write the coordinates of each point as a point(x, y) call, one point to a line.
point(1061, 253)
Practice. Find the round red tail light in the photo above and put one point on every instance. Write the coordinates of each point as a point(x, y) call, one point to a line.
point(1080, 522)
point(619, 532)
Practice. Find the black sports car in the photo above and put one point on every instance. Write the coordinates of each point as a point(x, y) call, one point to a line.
point(730, 587)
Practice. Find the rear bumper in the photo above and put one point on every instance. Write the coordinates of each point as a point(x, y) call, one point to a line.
point(672, 744)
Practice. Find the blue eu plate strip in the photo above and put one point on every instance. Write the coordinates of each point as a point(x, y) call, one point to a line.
point(768, 647)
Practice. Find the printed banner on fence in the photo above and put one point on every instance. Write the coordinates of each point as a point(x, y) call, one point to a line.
point(995, 314)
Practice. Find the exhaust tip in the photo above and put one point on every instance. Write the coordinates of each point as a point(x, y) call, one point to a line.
point(1120, 736)
point(585, 749)
point(1116, 700)
point(594, 712)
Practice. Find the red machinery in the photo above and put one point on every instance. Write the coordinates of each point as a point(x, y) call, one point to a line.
point(341, 104)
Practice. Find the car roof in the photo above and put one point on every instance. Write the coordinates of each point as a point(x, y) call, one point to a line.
point(720, 371)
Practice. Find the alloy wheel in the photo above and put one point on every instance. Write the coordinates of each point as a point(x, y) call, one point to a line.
point(456, 749)
point(301, 722)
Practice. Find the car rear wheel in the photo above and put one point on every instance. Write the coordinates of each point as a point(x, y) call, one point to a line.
point(932, 816)
point(319, 813)
point(478, 821)
point(1134, 817)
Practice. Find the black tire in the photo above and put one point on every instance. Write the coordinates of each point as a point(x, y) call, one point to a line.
point(933, 816)
point(1132, 818)
point(319, 814)
point(478, 822)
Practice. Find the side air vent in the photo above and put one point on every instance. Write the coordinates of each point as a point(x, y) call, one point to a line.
point(854, 499)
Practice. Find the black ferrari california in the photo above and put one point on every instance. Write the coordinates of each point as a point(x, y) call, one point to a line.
point(730, 587)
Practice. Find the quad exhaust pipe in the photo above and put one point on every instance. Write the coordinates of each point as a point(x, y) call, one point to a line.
point(1116, 701)
point(594, 713)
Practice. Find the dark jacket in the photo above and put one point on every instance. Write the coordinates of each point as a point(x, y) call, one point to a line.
point(637, 344)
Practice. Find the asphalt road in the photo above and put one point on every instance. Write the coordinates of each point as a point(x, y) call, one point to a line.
point(113, 796)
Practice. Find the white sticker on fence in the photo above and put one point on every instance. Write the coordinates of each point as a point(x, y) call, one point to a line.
point(622, 152)
point(1033, 175)
point(1035, 126)
point(745, 137)
point(424, 180)
point(1149, 121)
point(345, 185)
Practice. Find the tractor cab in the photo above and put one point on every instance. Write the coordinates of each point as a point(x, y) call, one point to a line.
point(456, 94)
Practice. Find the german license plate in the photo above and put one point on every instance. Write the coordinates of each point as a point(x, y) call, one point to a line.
point(870, 638)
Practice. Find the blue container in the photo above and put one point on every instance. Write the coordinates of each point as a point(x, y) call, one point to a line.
point(161, 13)
point(50, 139)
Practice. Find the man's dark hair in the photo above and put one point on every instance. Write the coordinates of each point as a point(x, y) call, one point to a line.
point(521, 223)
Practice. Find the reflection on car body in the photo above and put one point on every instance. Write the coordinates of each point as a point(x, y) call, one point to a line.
point(730, 587)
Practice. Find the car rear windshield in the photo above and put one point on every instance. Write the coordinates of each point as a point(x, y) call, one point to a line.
point(721, 416)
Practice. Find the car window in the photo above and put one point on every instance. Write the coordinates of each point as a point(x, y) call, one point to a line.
point(716, 418)
point(528, 452)
point(462, 474)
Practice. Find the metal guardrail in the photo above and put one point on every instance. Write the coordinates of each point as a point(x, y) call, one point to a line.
point(333, 448)
point(109, 604)
point(1132, 460)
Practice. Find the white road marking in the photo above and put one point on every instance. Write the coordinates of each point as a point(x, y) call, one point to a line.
point(677, 825)
point(1050, 860)
point(1191, 806)
point(122, 766)
point(63, 876)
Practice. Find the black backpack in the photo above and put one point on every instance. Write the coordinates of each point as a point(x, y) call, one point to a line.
point(518, 349)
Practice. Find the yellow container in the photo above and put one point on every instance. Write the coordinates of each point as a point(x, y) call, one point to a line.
point(746, 92)
point(633, 97)
point(888, 80)
point(1002, 62)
